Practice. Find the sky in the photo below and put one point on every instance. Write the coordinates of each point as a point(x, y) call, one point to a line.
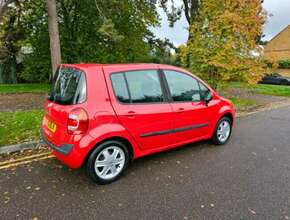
point(279, 19)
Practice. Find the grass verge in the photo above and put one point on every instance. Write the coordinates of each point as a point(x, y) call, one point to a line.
point(24, 88)
point(19, 127)
point(275, 90)
point(243, 104)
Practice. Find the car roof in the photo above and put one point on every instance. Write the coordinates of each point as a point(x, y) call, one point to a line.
point(87, 66)
point(129, 66)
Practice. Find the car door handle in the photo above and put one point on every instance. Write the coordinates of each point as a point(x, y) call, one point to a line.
point(180, 110)
point(131, 114)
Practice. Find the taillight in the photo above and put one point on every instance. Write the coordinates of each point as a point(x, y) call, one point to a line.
point(78, 121)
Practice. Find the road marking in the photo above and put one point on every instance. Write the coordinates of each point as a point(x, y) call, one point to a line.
point(24, 158)
point(25, 162)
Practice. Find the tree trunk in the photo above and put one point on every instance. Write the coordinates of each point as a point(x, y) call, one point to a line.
point(53, 35)
point(1, 73)
point(4, 6)
point(13, 70)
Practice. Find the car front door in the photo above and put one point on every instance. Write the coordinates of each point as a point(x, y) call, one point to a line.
point(191, 113)
point(142, 108)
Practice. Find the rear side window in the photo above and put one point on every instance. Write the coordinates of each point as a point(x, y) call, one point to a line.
point(140, 86)
point(120, 88)
point(144, 86)
point(183, 88)
point(68, 86)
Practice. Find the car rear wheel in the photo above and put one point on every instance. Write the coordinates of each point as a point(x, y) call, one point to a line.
point(223, 131)
point(107, 162)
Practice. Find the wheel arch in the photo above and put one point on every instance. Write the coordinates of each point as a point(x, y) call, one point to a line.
point(123, 140)
point(228, 115)
point(224, 112)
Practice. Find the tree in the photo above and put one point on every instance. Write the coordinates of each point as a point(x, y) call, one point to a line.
point(224, 44)
point(4, 6)
point(53, 35)
point(106, 31)
point(161, 50)
point(188, 7)
point(12, 34)
point(95, 31)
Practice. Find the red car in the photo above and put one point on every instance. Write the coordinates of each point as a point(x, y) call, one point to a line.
point(104, 116)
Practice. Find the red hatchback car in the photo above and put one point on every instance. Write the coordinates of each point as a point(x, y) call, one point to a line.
point(104, 116)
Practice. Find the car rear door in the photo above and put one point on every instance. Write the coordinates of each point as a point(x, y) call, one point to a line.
point(138, 99)
point(191, 114)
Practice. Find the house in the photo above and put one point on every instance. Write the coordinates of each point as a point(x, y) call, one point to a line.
point(278, 48)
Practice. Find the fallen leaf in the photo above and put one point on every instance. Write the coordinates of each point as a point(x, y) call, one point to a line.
point(254, 153)
point(252, 211)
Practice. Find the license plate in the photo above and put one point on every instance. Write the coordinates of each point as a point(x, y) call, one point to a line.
point(51, 126)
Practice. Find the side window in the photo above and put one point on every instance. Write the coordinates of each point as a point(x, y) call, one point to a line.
point(144, 86)
point(120, 88)
point(204, 91)
point(183, 88)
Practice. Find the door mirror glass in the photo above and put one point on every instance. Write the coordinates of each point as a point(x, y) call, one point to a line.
point(205, 93)
point(208, 97)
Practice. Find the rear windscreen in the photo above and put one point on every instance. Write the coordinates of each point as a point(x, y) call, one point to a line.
point(68, 86)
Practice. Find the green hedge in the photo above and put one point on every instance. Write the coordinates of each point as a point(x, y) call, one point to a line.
point(284, 64)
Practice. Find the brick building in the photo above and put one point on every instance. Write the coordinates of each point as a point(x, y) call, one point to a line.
point(279, 47)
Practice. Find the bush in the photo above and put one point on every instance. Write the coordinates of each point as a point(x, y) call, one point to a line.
point(37, 68)
point(284, 64)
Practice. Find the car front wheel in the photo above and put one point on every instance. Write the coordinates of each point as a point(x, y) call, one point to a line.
point(107, 162)
point(223, 131)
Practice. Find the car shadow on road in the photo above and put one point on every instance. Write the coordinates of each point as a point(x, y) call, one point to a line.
point(151, 165)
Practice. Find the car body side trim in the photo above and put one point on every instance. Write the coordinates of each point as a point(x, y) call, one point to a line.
point(174, 130)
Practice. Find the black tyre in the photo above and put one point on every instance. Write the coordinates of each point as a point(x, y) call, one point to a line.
point(107, 162)
point(223, 131)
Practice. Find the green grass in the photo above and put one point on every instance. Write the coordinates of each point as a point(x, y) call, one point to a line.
point(241, 103)
point(274, 90)
point(19, 127)
point(24, 88)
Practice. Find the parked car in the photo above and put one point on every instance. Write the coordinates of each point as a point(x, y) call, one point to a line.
point(105, 116)
point(275, 79)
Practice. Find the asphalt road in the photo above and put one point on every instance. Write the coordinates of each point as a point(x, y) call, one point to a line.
point(248, 178)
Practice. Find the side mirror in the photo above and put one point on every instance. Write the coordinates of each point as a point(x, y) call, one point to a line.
point(207, 98)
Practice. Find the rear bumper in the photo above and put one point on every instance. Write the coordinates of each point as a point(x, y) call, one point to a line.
point(72, 155)
point(64, 149)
